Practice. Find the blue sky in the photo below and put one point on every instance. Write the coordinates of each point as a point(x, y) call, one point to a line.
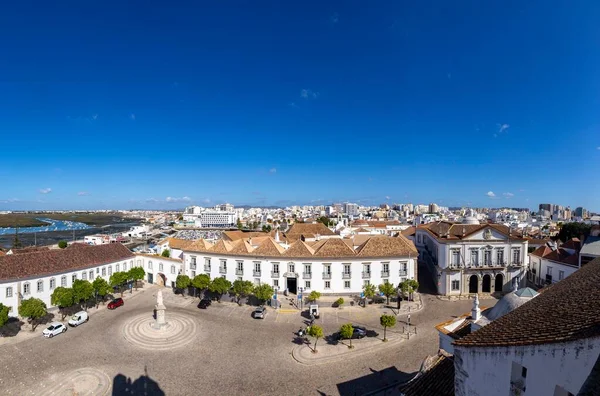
point(163, 104)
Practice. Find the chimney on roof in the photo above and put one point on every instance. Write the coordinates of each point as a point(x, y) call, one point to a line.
point(277, 236)
point(476, 312)
point(463, 234)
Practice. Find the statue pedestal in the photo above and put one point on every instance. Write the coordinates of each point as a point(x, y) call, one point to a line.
point(161, 319)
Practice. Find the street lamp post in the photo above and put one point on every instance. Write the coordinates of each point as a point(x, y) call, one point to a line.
point(301, 297)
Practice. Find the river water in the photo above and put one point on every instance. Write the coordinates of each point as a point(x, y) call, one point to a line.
point(53, 225)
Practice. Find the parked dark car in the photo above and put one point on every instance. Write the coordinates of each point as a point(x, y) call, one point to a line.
point(205, 303)
point(359, 332)
point(117, 302)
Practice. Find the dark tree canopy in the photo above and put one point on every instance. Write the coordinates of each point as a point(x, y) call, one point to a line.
point(62, 244)
point(573, 230)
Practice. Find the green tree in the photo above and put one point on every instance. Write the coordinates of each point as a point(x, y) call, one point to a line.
point(33, 309)
point(118, 279)
point(370, 290)
point(346, 332)
point(263, 292)
point(4, 310)
point(241, 288)
point(315, 331)
point(219, 286)
point(266, 228)
point(82, 291)
point(63, 298)
point(136, 274)
point(339, 302)
point(166, 253)
point(101, 288)
point(239, 224)
point(62, 244)
point(314, 295)
point(388, 290)
point(182, 282)
point(408, 287)
point(574, 230)
point(201, 282)
point(387, 321)
point(16, 241)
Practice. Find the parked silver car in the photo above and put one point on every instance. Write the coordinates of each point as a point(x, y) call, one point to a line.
point(260, 313)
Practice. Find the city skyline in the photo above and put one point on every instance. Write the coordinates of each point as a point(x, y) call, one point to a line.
point(147, 106)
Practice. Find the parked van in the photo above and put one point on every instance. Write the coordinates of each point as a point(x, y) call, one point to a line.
point(79, 318)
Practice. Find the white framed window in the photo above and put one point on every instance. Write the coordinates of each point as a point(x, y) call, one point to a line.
point(109, 270)
point(455, 285)
point(161, 267)
point(84, 275)
point(327, 269)
point(172, 269)
point(117, 267)
point(239, 265)
point(291, 267)
point(257, 266)
point(366, 282)
point(124, 266)
point(561, 275)
point(327, 284)
point(516, 253)
point(8, 292)
point(307, 284)
point(367, 268)
point(139, 263)
point(275, 282)
point(104, 270)
point(26, 288)
point(63, 281)
point(347, 284)
point(276, 268)
point(257, 281)
point(40, 286)
point(149, 264)
point(307, 269)
point(455, 257)
point(347, 268)
point(474, 257)
point(193, 274)
point(487, 257)
point(73, 278)
point(91, 275)
point(97, 270)
point(52, 283)
point(385, 267)
point(549, 271)
point(193, 260)
point(500, 256)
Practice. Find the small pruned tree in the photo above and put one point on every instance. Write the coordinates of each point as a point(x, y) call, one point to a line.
point(118, 280)
point(136, 274)
point(315, 331)
point(33, 309)
point(182, 282)
point(241, 288)
point(62, 244)
point(4, 310)
point(339, 302)
point(370, 290)
point(82, 291)
point(201, 282)
point(63, 298)
point(219, 286)
point(314, 295)
point(408, 287)
point(388, 290)
point(387, 321)
point(346, 332)
point(166, 253)
point(263, 292)
point(101, 289)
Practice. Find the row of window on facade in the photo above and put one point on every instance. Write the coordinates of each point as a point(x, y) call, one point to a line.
point(161, 267)
point(455, 257)
point(85, 275)
point(291, 267)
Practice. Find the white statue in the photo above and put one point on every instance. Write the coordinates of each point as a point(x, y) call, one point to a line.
point(159, 298)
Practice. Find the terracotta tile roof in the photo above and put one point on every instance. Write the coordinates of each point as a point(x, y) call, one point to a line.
point(30, 249)
point(235, 235)
point(409, 231)
point(559, 255)
point(447, 230)
point(2, 253)
point(46, 262)
point(461, 331)
point(221, 247)
point(299, 249)
point(305, 228)
point(361, 230)
point(241, 246)
point(334, 247)
point(378, 246)
point(573, 243)
point(159, 257)
point(568, 310)
point(199, 245)
point(438, 380)
point(268, 248)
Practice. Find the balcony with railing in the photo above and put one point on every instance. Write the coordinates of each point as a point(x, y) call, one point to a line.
point(256, 273)
point(326, 275)
point(366, 275)
point(239, 271)
point(402, 272)
point(207, 268)
point(274, 274)
point(222, 270)
point(192, 266)
point(385, 274)
point(346, 275)
point(306, 275)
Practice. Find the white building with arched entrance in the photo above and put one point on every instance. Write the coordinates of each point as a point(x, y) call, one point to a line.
point(467, 258)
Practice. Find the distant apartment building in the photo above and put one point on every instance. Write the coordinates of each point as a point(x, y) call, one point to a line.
point(434, 208)
point(351, 209)
point(581, 212)
point(211, 218)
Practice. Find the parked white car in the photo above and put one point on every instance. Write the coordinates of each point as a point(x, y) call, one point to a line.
point(79, 318)
point(54, 329)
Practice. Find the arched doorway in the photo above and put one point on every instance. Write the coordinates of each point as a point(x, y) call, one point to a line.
point(486, 284)
point(161, 279)
point(473, 284)
point(498, 282)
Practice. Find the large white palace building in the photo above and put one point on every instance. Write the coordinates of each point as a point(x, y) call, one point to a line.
point(466, 258)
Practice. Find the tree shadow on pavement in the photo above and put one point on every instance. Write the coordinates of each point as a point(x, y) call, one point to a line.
point(144, 385)
point(11, 328)
point(381, 379)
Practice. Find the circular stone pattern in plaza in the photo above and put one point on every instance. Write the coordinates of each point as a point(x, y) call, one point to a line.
point(85, 381)
point(179, 331)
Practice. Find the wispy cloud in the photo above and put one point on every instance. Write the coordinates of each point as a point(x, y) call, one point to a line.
point(508, 195)
point(175, 199)
point(273, 170)
point(132, 116)
point(151, 200)
point(83, 193)
point(598, 148)
point(10, 200)
point(95, 117)
point(335, 18)
point(308, 94)
point(206, 200)
point(491, 194)
point(45, 190)
point(294, 105)
point(387, 197)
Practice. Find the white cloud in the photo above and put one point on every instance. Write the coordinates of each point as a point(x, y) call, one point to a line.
point(508, 195)
point(83, 193)
point(45, 190)
point(387, 197)
point(598, 148)
point(175, 199)
point(273, 170)
point(294, 105)
point(491, 194)
point(132, 116)
point(206, 200)
point(503, 127)
point(10, 200)
point(152, 200)
point(308, 94)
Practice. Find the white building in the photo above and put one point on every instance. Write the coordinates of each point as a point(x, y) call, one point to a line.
point(470, 257)
point(223, 216)
point(547, 346)
point(37, 274)
point(328, 265)
point(140, 231)
point(160, 270)
point(549, 263)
